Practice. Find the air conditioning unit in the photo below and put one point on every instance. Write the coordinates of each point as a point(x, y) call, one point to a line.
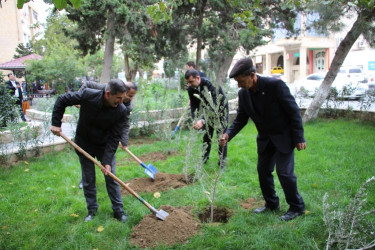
point(361, 44)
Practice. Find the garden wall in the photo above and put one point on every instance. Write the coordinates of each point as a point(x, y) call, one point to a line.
point(174, 114)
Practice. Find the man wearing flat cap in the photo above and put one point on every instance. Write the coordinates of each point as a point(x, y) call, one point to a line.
point(274, 111)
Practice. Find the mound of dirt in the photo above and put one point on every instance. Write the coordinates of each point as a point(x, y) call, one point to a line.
point(162, 182)
point(178, 227)
point(251, 203)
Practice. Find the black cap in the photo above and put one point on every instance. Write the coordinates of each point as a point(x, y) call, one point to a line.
point(241, 66)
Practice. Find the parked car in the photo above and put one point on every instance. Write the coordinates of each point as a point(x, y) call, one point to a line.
point(277, 70)
point(354, 73)
point(371, 81)
point(346, 88)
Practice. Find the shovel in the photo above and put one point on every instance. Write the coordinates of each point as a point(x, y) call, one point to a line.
point(179, 121)
point(161, 214)
point(178, 124)
point(150, 170)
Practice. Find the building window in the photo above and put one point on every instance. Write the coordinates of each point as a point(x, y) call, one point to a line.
point(319, 62)
point(35, 15)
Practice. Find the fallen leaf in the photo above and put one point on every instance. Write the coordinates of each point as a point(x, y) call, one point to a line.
point(206, 192)
point(100, 229)
point(26, 162)
point(73, 186)
point(8, 233)
point(74, 215)
point(307, 212)
point(36, 210)
point(157, 195)
point(4, 227)
point(314, 185)
point(26, 170)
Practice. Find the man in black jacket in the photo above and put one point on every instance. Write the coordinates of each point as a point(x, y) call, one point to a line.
point(99, 130)
point(16, 90)
point(130, 92)
point(268, 102)
point(203, 88)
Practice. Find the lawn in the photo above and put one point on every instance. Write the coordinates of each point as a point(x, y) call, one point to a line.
point(41, 206)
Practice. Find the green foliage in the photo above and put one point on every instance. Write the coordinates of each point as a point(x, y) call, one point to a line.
point(8, 109)
point(59, 4)
point(351, 227)
point(59, 68)
point(22, 50)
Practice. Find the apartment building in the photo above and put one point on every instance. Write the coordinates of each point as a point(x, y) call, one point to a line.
point(309, 52)
point(18, 25)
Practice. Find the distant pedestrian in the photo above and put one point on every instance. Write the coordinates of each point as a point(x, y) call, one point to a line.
point(17, 91)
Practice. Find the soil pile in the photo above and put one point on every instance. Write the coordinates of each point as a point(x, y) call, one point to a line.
point(162, 182)
point(178, 227)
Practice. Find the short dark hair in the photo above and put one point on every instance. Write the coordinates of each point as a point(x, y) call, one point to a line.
point(130, 85)
point(191, 72)
point(115, 86)
point(10, 74)
point(191, 64)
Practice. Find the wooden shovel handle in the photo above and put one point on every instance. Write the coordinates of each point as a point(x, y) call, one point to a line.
point(135, 157)
point(102, 167)
point(183, 113)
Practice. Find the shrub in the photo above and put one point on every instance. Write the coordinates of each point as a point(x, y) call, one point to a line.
point(8, 109)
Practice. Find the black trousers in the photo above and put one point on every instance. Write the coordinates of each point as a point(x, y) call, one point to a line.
point(89, 181)
point(285, 172)
point(19, 103)
point(207, 138)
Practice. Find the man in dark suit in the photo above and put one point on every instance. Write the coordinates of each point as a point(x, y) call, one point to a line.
point(130, 92)
point(16, 90)
point(191, 65)
point(202, 87)
point(99, 130)
point(268, 102)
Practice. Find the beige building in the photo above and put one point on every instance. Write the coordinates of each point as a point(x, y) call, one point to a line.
point(17, 26)
point(308, 53)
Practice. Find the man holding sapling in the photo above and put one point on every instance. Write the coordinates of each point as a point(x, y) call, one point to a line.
point(272, 108)
point(204, 95)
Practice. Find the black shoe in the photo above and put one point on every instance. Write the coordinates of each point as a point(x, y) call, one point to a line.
point(266, 209)
point(290, 215)
point(80, 185)
point(120, 216)
point(90, 216)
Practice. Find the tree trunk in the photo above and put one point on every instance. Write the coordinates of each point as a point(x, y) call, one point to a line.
point(341, 52)
point(201, 7)
point(130, 73)
point(109, 49)
point(222, 69)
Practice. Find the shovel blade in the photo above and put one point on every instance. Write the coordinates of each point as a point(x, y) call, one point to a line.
point(151, 168)
point(149, 173)
point(161, 214)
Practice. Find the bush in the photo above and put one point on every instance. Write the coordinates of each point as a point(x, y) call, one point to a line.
point(8, 109)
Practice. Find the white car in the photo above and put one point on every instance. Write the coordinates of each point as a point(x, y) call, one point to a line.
point(346, 88)
point(353, 73)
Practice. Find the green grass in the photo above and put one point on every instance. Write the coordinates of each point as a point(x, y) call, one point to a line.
point(38, 199)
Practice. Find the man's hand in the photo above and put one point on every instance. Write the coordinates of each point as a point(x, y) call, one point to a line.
point(121, 146)
point(223, 139)
point(56, 130)
point(106, 170)
point(198, 125)
point(301, 146)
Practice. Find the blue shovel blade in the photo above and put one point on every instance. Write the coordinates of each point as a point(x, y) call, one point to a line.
point(150, 170)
